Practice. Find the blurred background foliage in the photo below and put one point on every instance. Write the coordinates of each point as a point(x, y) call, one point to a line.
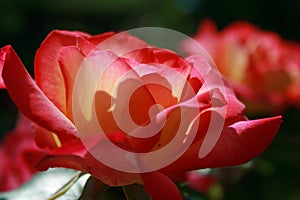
point(24, 24)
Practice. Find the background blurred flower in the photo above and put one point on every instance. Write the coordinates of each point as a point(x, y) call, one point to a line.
point(263, 68)
point(18, 154)
point(200, 181)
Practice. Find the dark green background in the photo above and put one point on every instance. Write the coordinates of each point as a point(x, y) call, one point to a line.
point(24, 24)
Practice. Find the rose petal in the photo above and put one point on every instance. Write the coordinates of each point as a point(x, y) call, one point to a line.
point(163, 82)
point(144, 55)
point(30, 99)
point(2, 56)
point(70, 60)
point(122, 43)
point(129, 104)
point(205, 71)
point(45, 139)
point(239, 143)
point(47, 71)
point(97, 39)
point(75, 156)
point(160, 187)
point(171, 59)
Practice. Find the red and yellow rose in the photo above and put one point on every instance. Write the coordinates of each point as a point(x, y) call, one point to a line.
point(48, 100)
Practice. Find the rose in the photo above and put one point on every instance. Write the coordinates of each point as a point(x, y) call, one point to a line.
point(18, 155)
point(263, 68)
point(53, 103)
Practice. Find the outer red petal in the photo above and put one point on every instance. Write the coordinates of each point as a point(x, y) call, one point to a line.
point(48, 74)
point(122, 44)
point(2, 56)
point(238, 143)
point(97, 39)
point(74, 155)
point(47, 71)
point(30, 99)
point(160, 187)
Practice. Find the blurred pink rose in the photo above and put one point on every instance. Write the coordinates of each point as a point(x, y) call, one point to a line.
point(18, 155)
point(263, 68)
